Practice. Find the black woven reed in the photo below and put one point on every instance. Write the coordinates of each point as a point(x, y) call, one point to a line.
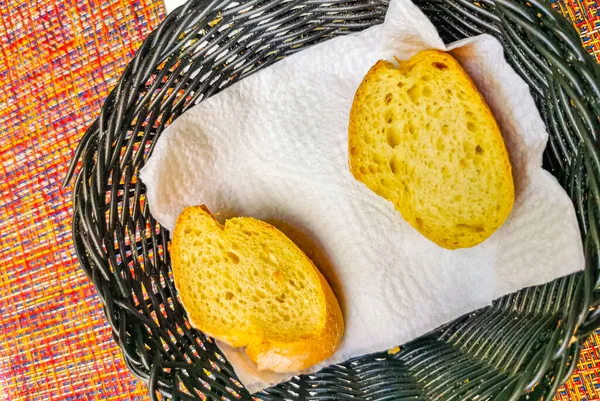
point(526, 342)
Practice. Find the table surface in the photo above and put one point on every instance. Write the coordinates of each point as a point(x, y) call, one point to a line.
point(59, 60)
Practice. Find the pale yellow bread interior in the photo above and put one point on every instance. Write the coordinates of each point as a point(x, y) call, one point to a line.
point(422, 137)
point(247, 284)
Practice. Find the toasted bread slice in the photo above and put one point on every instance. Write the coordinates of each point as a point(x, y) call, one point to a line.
point(247, 284)
point(422, 136)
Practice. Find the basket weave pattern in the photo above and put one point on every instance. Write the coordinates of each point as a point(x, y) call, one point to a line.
point(527, 341)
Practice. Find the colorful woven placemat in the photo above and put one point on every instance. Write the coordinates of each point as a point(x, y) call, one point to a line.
point(59, 59)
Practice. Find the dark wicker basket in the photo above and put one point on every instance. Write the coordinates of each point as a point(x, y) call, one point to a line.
point(522, 347)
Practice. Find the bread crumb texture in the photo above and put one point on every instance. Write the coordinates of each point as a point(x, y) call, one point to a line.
point(422, 136)
point(247, 284)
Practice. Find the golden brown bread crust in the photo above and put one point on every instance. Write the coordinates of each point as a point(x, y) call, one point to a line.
point(269, 350)
point(296, 356)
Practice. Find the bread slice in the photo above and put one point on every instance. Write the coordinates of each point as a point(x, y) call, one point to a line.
point(421, 136)
point(247, 284)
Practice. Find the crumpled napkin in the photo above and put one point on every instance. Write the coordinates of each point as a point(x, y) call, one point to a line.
point(274, 146)
point(171, 5)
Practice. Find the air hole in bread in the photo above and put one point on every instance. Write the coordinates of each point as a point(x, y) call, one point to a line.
point(233, 258)
point(426, 78)
point(433, 111)
point(229, 295)
point(388, 98)
point(471, 126)
point(470, 227)
point(388, 116)
point(429, 110)
point(478, 149)
point(386, 182)
point(413, 131)
point(414, 92)
point(393, 165)
point(427, 91)
point(440, 66)
point(393, 137)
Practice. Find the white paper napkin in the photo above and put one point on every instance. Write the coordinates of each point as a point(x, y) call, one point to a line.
point(274, 146)
point(171, 5)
